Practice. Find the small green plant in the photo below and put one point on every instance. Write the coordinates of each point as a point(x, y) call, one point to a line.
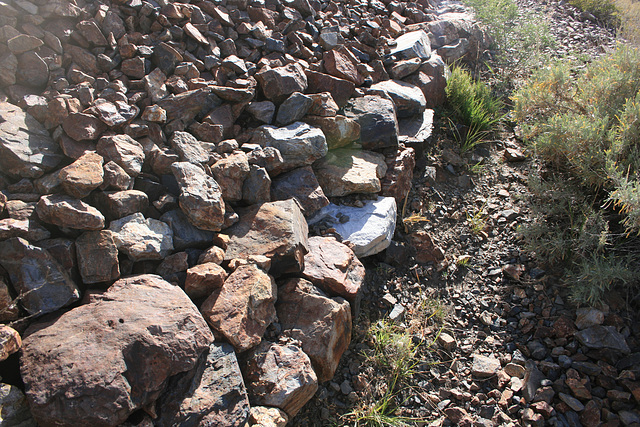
point(473, 106)
point(605, 10)
point(477, 220)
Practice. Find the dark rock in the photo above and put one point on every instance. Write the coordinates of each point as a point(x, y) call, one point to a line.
point(302, 185)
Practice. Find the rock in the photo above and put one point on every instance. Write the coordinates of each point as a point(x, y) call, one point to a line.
point(532, 380)
point(447, 341)
point(280, 82)
point(32, 71)
point(339, 131)
point(398, 179)
point(484, 366)
point(280, 375)
point(213, 393)
point(134, 68)
point(154, 113)
point(97, 257)
point(230, 172)
point(377, 119)
point(115, 114)
point(263, 416)
point(629, 418)
point(334, 268)
point(14, 407)
point(125, 151)
point(402, 69)
point(8, 69)
point(188, 148)
point(142, 238)
point(276, 230)
point(262, 111)
point(587, 317)
point(321, 324)
point(257, 186)
point(10, 342)
point(200, 196)
point(342, 64)
point(302, 185)
point(340, 89)
point(165, 57)
point(608, 337)
point(347, 171)
point(154, 83)
point(414, 44)
point(515, 370)
point(243, 307)
point(186, 235)
point(458, 416)
point(102, 361)
point(68, 212)
point(572, 402)
point(203, 279)
point(28, 229)
point(293, 108)
point(8, 306)
point(269, 158)
point(42, 284)
point(369, 228)
point(299, 143)
point(82, 176)
point(116, 204)
point(416, 129)
point(514, 155)
point(408, 99)
point(20, 160)
point(115, 178)
point(187, 105)
point(23, 43)
point(83, 127)
point(323, 105)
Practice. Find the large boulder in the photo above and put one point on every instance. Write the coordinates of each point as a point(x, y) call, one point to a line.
point(340, 89)
point(414, 44)
point(212, 394)
point(299, 143)
point(277, 230)
point(200, 196)
point(243, 308)
point(321, 324)
point(347, 171)
point(339, 131)
point(17, 158)
point(377, 118)
point(104, 360)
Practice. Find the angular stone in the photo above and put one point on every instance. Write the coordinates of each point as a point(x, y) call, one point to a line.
point(83, 127)
point(398, 180)
point(32, 71)
point(340, 89)
point(85, 60)
point(339, 131)
point(276, 230)
point(402, 69)
point(200, 196)
point(142, 238)
point(115, 114)
point(165, 57)
point(321, 324)
point(377, 119)
point(42, 283)
point(8, 306)
point(571, 401)
point(293, 108)
point(334, 268)
point(10, 342)
point(347, 171)
point(587, 317)
point(97, 257)
point(484, 366)
point(203, 279)
point(416, 129)
point(244, 307)
point(262, 111)
point(213, 254)
point(14, 407)
point(20, 160)
point(269, 158)
point(212, 394)
point(408, 99)
point(188, 148)
point(447, 341)
point(115, 178)
point(230, 172)
point(112, 23)
point(185, 106)
point(28, 229)
point(154, 113)
point(68, 212)
point(257, 186)
point(264, 416)
point(299, 143)
point(102, 361)
point(82, 176)
point(8, 69)
point(185, 235)
point(280, 82)
point(608, 337)
point(369, 228)
point(194, 33)
point(91, 32)
point(280, 375)
point(323, 105)
point(154, 82)
point(23, 43)
point(116, 204)
point(414, 44)
point(125, 151)
point(302, 185)
point(341, 63)
point(133, 67)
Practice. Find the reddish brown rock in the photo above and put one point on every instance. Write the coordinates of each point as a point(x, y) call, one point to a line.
point(230, 172)
point(280, 82)
point(590, 416)
point(10, 341)
point(115, 178)
point(97, 257)
point(200, 196)
point(203, 279)
point(334, 268)
point(341, 63)
point(347, 171)
point(116, 204)
point(276, 230)
point(243, 308)
point(23, 43)
point(426, 249)
point(102, 361)
point(340, 89)
point(280, 374)
point(68, 212)
point(123, 150)
point(82, 176)
point(8, 306)
point(399, 177)
point(83, 127)
point(28, 229)
point(321, 324)
point(323, 105)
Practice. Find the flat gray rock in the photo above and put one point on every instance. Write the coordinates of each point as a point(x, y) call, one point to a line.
point(299, 143)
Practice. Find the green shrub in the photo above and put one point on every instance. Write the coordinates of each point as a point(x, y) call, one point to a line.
point(605, 10)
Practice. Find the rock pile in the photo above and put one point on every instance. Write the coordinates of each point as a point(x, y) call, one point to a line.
point(160, 165)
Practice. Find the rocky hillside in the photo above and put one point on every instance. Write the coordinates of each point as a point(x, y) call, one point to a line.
point(187, 189)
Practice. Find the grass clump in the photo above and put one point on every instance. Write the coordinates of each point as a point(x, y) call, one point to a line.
point(472, 105)
point(605, 10)
point(585, 127)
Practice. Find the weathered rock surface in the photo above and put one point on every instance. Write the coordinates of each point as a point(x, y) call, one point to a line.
point(299, 143)
point(301, 184)
point(399, 177)
point(65, 211)
point(142, 238)
point(415, 44)
point(339, 131)
point(97, 257)
point(280, 375)
point(14, 408)
point(276, 230)
point(265, 416)
point(377, 119)
point(408, 99)
point(230, 173)
point(123, 150)
point(203, 279)
point(200, 196)
point(320, 323)
point(138, 334)
point(42, 284)
point(213, 393)
point(243, 308)
point(185, 235)
point(117, 204)
point(280, 82)
point(10, 341)
point(8, 306)
point(82, 176)
point(188, 148)
point(347, 171)
point(30, 230)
